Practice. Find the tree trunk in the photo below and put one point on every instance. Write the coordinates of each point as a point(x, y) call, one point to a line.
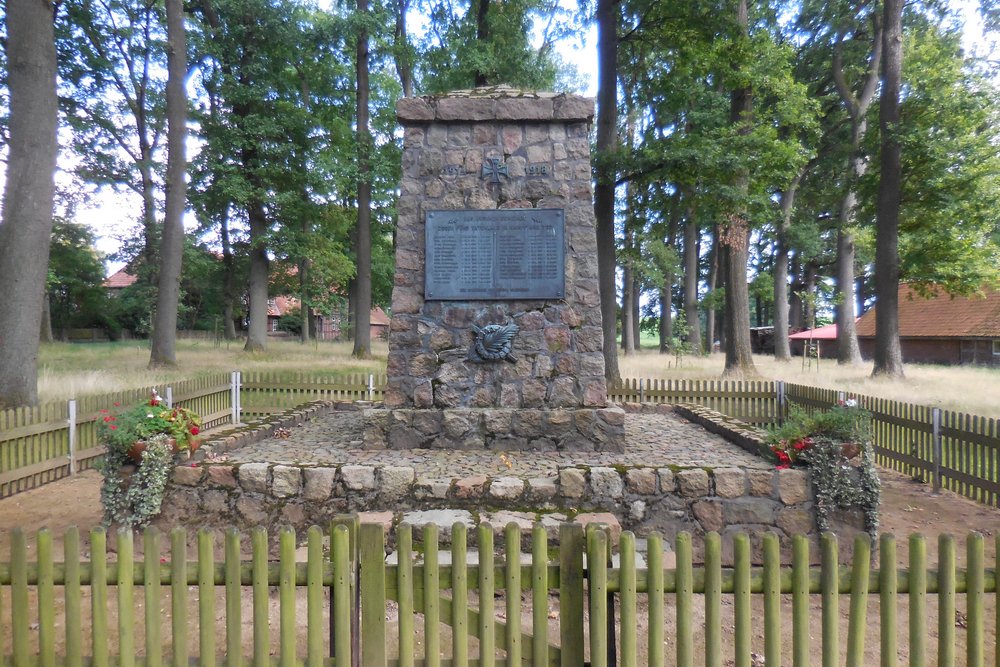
point(27, 201)
point(304, 310)
point(628, 296)
point(734, 241)
point(403, 62)
point(604, 190)
point(164, 339)
point(45, 331)
point(691, 280)
point(888, 355)
point(259, 274)
point(362, 321)
point(482, 35)
point(848, 351)
point(713, 281)
point(228, 278)
point(782, 346)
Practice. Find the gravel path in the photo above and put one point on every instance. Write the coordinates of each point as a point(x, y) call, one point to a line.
point(652, 440)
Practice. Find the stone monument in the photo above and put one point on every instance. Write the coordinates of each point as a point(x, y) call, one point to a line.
point(496, 340)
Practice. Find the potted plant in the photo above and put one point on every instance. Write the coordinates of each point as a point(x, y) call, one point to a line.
point(141, 442)
point(830, 444)
point(130, 430)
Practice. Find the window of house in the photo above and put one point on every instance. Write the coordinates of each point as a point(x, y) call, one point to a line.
point(996, 347)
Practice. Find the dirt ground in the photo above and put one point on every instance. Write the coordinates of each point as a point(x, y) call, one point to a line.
point(907, 507)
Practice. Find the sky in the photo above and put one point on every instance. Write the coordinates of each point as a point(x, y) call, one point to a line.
point(111, 214)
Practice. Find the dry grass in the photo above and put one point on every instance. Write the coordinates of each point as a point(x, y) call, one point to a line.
point(963, 388)
point(68, 371)
point(74, 370)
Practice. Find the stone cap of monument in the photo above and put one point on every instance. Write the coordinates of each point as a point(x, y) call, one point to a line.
point(490, 103)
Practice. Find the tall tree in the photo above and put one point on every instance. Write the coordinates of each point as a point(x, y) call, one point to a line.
point(362, 319)
point(888, 354)
point(604, 189)
point(112, 66)
point(163, 344)
point(856, 104)
point(734, 231)
point(28, 193)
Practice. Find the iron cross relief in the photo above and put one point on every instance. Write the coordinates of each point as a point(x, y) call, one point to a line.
point(493, 169)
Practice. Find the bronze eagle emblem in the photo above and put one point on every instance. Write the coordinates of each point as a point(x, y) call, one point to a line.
point(494, 342)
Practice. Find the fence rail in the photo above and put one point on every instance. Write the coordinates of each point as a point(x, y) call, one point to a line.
point(265, 393)
point(953, 450)
point(346, 602)
point(46, 443)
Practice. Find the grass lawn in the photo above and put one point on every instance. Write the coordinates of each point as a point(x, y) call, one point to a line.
point(67, 370)
point(73, 370)
point(964, 388)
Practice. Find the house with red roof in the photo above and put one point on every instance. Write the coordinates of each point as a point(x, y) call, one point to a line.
point(943, 329)
point(822, 339)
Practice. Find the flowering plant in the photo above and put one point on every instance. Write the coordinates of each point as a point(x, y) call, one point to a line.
point(845, 424)
point(143, 421)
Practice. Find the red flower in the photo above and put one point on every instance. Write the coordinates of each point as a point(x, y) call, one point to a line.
point(195, 430)
point(104, 412)
point(783, 466)
point(117, 405)
point(107, 419)
point(112, 427)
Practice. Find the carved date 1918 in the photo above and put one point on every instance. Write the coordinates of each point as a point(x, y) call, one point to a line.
point(537, 170)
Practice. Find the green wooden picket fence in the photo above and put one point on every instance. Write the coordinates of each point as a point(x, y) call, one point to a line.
point(949, 449)
point(264, 393)
point(345, 604)
point(42, 444)
point(751, 401)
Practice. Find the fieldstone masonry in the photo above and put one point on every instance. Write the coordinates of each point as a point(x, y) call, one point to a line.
point(490, 149)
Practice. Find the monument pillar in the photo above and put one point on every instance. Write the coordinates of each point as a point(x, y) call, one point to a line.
point(496, 338)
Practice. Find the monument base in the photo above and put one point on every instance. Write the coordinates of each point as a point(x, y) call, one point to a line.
point(501, 429)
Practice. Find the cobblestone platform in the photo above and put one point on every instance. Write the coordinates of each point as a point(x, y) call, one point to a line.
point(654, 440)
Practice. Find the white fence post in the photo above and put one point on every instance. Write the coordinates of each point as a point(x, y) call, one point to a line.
point(239, 398)
point(936, 426)
point(642, 390)
point(371, 386)
point(233, 399)
point(72, 436)
point(170, 397)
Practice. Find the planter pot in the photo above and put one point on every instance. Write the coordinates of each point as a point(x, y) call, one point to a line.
point(849, 450)
point(139, 446)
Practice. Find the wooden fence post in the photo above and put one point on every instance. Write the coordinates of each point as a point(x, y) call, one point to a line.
point(371, 386)
point(170, 397)
point(936, 426)
point(71, 422)
point(571, 547)
point(779, 412)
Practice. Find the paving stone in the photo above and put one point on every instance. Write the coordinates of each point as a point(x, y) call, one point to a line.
point(425, 488)
point(641, 481)
point(286, 481)
point(221, 476)
point(507, 488)
point(318, 483)
point(793, 486)
point(606, 483)
point(188, 475)
point(358, 478)
point(606, 518)
point(444, 519)
point(692, 483)
point(395, 481)
point(572, 482)
point(471, 487)
point(253, 477)
point(542, 488)
point(729, 482)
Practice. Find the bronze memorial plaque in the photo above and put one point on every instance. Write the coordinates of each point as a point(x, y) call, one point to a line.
point(495, 254)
